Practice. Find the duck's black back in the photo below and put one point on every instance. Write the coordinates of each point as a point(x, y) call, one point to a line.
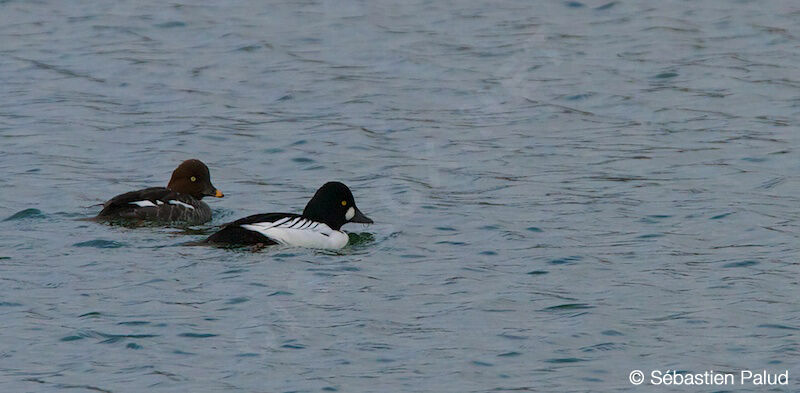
point(233, 234)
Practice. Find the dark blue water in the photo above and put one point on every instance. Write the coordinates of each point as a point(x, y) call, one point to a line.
point(563, 192)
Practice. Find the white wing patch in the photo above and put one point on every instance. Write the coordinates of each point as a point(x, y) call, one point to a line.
point(301, 232)
point(179, 203)
point(147, 203)
point(143, 203)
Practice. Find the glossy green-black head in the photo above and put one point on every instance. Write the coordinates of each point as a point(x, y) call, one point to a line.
point(192, 177)
point(333, 204)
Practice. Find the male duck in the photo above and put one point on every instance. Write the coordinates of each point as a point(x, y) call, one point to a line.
point(318, 227)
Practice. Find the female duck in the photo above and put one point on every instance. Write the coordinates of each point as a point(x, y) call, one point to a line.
point(179, 202)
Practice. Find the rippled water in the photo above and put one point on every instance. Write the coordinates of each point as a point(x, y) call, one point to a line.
point(562, 191)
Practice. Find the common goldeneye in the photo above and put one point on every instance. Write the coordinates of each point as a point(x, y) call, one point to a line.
point(318, 227)
point(180, 201)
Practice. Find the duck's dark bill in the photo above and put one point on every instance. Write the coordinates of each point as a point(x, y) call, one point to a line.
point(361, 218)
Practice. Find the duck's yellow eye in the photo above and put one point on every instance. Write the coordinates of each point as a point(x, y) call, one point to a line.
point(193, 178)
point(344, 203)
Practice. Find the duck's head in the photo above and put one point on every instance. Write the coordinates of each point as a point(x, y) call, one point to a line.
point(192, 177)
point(333, 204)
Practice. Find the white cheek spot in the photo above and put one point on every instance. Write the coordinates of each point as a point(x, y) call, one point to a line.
point(143, 203)
point(179, 203)
point(350, 214)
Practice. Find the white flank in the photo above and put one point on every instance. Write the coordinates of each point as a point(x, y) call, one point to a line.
point(179, 203)
point(143, 203)
point(350, 214)
point(159, 202)
point(301, 233)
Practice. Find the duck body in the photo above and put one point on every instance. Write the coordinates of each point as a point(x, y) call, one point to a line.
point(318, 227)
point(280, 228)
point(179, 202)
point(158, 204)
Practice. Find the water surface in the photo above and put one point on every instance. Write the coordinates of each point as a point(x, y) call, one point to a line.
point(563, 192)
